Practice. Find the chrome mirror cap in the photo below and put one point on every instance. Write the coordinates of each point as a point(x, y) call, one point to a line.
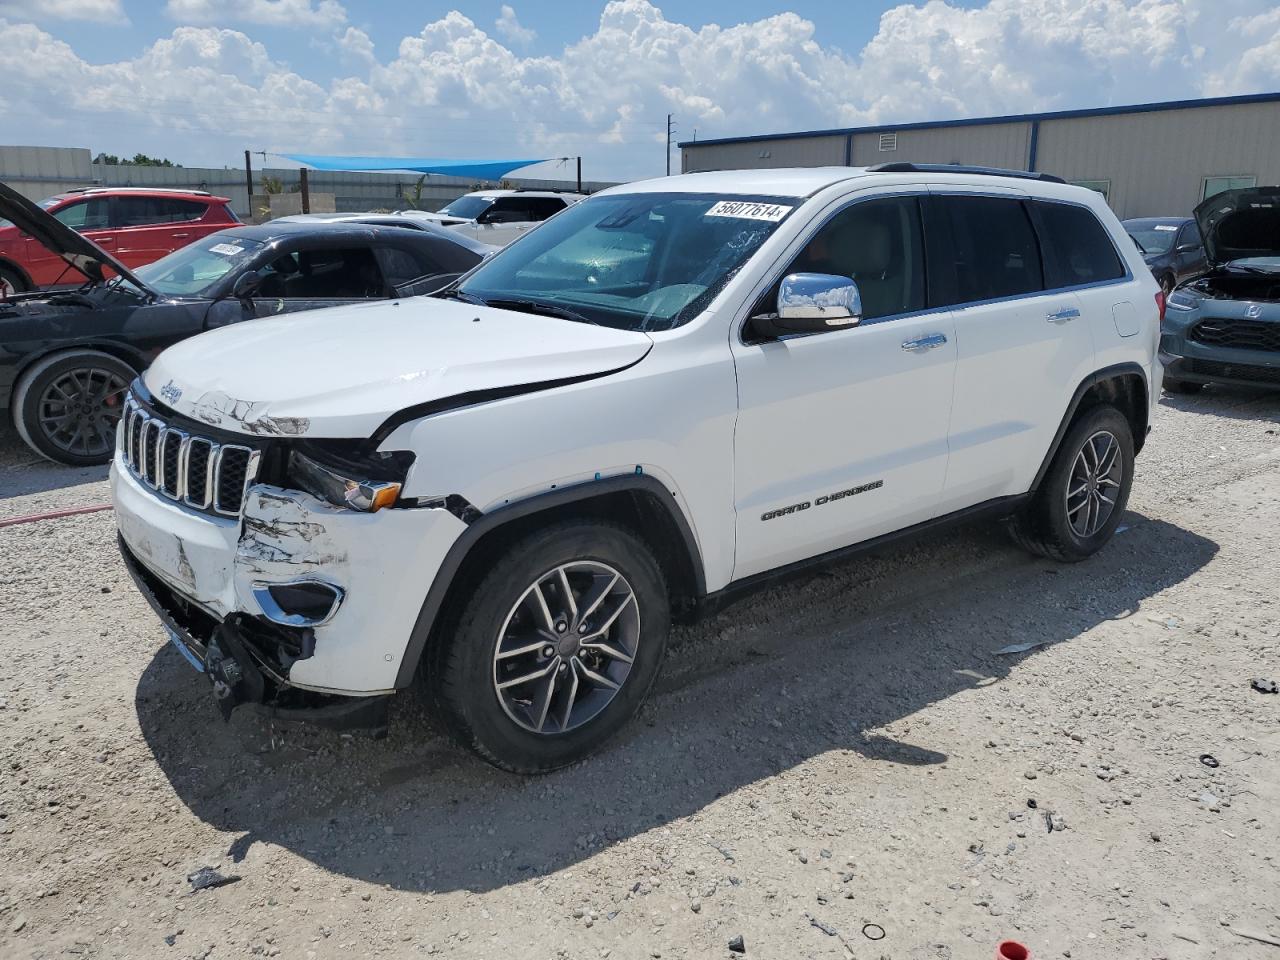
point(820, 296)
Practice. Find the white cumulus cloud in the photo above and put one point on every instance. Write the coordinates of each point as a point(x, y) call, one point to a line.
point(204, 93)
point(272, 13)
point(104, 11)
point(509, 25)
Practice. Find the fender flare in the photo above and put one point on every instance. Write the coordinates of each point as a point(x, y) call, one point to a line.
point(1089, 382)
point(433, 604)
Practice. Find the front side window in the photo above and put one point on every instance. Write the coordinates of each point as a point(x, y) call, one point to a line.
point(638, 261)
point(995, 248)
point(194, 270)
point(91, 214)
point(1079, 249)
point(510, 210)
point(329, 274)
point(878, 244)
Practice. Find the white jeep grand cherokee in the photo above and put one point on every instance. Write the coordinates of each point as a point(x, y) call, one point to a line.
point(672, 392)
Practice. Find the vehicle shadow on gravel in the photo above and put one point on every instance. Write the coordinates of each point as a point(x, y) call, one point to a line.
point(815, 668)
point(24, 472)
point(1233, 402)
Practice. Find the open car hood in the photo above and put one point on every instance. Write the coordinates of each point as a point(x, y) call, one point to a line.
point(79, 251)
point(1239, 224)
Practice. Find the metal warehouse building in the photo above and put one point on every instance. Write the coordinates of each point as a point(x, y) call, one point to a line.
point(1157, 159)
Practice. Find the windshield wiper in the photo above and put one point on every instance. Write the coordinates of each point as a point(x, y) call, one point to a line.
point(545, 309)
point(448, 293)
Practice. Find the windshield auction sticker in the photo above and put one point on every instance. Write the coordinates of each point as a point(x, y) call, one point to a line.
point(226, 249)
point(749, 210)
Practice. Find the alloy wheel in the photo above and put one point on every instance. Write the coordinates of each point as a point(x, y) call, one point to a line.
point(1094, 483)
point(566, 647)
point(79, 410)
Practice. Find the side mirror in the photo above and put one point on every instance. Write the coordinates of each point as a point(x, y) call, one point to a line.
point(1188, 247)
point(247, 285)
point(812, 303)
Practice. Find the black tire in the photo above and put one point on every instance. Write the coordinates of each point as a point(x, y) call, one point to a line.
point(11, 281)
point(464, 681)
point(1181, 386)
point(1046, 527)
point(47, 390)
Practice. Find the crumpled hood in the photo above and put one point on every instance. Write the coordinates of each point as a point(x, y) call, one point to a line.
point(342, 372)
point(77, 250)
point(1239, 224)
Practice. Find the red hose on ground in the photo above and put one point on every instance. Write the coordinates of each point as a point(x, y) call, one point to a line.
point(55, 514)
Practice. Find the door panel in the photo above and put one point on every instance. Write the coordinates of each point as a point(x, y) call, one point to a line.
point(842, 436)
point(1020, 350)
point(846, 430)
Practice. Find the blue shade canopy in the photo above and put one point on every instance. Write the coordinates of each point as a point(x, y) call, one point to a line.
point(484, 169)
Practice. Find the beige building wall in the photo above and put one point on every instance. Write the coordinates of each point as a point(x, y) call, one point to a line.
point(766, 154)
point(1157, 162)
point(987, 145)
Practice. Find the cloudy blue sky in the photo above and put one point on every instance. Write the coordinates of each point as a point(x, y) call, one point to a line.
point(201, 80)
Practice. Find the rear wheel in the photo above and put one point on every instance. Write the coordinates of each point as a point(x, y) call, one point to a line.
point(556, 649)
point(1182, 386)
point(1085, 491)
point(66, 406)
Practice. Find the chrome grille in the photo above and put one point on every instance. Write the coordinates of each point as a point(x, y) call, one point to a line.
point(194, 470)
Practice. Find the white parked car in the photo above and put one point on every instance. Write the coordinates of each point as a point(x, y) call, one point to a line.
point(499, 216)
point(670, 394)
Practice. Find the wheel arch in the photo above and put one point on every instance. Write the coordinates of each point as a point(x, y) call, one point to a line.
point(1123, 386)
point(132, 358)
point(640, 502)
point(14, 267)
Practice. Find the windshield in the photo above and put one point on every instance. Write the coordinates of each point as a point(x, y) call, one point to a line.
point(638, 261)
point(468, 208)
point(1157, 238)
point(195, 269)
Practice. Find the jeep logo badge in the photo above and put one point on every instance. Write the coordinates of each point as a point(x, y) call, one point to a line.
point(171, 392)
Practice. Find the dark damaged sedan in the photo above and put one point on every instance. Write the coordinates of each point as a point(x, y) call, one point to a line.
point(1225, 326)
point(67, 357)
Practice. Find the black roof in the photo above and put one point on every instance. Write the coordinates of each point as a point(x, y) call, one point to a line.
point(341, 230)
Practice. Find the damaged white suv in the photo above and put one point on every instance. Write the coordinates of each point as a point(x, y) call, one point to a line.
point(668, 394)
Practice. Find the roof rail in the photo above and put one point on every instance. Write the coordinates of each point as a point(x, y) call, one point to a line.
point(540, 190)
point(902, 166)
point(159, 188)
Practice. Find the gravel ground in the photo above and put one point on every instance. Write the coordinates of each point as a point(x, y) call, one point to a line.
point(847, 750)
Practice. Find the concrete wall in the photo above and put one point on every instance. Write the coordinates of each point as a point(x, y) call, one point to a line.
point(791, 152)
point(39, 172)
point(1156, 162)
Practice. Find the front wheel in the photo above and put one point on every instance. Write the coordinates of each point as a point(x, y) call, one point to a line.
point(556, 648)
point(66, 406)
point(1085, 491)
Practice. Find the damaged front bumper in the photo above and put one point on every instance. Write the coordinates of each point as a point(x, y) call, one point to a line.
point(209, 580)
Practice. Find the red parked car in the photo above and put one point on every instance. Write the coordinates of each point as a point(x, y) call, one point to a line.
point(137, 225)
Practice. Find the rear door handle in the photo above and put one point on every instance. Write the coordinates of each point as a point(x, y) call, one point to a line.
point(1063, 315)
point(927, 342)
point(181, 236)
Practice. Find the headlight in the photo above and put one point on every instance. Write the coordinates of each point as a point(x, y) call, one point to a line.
point(1183, 300)
point(358, 483)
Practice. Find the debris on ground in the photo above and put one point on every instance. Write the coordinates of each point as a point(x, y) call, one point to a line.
point(873, 931)
point(737, 944)
point(1209, 760)
point(1264, 686)
point(207, 878)
point(1021, 647)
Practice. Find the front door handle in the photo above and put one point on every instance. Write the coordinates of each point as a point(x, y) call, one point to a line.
point(181, 236)
point(1063, 315)
point(927, 342)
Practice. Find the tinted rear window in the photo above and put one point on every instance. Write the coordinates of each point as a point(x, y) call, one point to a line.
point(996, 253)
point(1078, 248)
